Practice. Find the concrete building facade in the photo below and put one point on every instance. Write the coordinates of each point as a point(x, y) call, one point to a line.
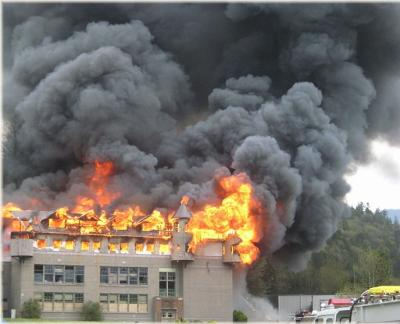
point(134, 275)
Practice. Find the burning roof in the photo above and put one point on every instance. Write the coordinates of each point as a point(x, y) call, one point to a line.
point(233, 218)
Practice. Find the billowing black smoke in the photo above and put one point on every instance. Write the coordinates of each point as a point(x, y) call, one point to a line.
point(175, 94)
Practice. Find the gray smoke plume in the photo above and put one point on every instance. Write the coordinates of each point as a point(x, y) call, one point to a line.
point(177, 95)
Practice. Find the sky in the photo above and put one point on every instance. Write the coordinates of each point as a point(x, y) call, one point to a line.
point(378, 182)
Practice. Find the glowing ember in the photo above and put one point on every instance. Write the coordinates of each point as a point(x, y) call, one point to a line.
point(235, 215)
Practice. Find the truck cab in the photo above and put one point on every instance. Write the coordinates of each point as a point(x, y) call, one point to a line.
point(333, 315)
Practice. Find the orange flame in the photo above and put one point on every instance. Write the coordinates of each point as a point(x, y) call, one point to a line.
point(9, 221)
point(185, 200)
point(235, 215)
point(9, 208)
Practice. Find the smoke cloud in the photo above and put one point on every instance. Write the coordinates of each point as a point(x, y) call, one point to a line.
point(177, 94)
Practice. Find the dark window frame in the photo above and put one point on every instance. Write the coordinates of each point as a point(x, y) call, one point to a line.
point(58, 274)
point(123, 276)
point(167, 283)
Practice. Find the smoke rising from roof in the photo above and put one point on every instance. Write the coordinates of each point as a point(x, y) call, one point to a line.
point(175, 94)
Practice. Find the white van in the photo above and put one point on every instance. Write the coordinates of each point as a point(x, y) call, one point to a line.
point(333, 315)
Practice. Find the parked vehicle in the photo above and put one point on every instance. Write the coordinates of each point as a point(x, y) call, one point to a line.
point(377, 304)
point(333, 315)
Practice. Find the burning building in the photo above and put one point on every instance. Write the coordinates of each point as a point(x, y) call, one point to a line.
point(164, 265)
point(289, 96)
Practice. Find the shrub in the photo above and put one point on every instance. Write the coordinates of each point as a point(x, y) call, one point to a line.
point(31, 309)
point(239, 316)
point(91, 311)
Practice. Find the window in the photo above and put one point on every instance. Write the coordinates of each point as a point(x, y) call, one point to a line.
point(133, 303)
point(104, 275)
point(69, 274)
point(48, 273)
point(113, 276)
point(59, 302)
point(124, 248)
point(68, 302)
point(48, 302)
point(139, 247)
point(84, 245)
point(38, 272)
point(113, 303)
point(112, 247)
point(123, 275)
point(58, 273)
point(142, 276)
point(79, 298)
point(70, 245)
point(104, 302)
point(79, 274)
point(41, 244)
point(168, 314)
point(57, 244)
point(165, 248)
point(167, 283)
point(123, 303)
point(133, 276)
point(142, 303)
point(96, 246)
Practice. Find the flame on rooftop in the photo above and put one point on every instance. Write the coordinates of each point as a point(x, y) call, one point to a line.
point(235, 215)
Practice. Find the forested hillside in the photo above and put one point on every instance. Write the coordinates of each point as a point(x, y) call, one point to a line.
point(364, 252)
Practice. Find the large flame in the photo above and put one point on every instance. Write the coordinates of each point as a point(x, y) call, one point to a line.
point(9, 221)
point(9, 208)
point(90, 215)
point(236, 214)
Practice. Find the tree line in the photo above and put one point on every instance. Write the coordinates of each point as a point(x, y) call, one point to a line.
point(364, 252)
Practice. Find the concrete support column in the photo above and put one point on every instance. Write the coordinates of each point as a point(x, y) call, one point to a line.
point(131, 246)
point(77, 244)
point(156, 247)
point(104, 245)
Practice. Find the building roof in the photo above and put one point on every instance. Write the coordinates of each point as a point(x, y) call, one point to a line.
point(183, 212)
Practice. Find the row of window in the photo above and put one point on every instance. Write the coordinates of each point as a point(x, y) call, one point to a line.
point(59, 302)
point(123, 303)
point(112, 303)
point(123, 275)
point(58, 273)
point(141, 247)
point(108, 275)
